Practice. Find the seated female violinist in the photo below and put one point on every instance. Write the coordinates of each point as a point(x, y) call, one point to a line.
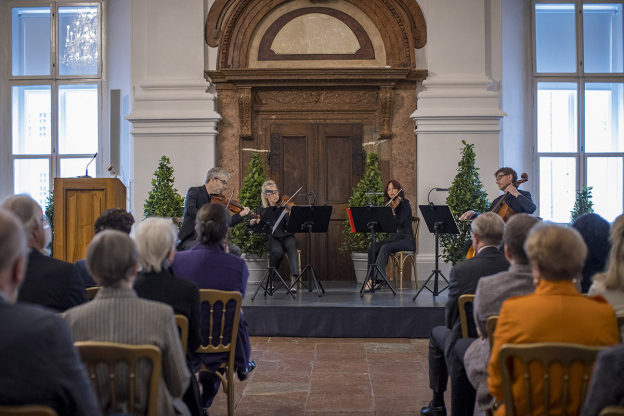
point(403, 239)
point(283, 242)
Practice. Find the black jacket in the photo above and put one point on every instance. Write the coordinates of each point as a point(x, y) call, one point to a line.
point(52, 283)
point(522, 204)
point(403, 221)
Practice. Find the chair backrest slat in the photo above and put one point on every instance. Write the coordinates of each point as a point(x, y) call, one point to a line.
point(490, 326)
point(111, 355)
point(463, 316)
point(546, 354)
point(27, 410)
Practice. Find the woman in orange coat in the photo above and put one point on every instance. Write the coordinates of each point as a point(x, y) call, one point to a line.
point(555, 312)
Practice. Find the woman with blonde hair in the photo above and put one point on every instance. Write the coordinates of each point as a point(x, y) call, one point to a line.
point(610, 284)
point(282, 242)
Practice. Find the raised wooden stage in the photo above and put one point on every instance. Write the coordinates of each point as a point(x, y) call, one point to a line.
point(341, 313)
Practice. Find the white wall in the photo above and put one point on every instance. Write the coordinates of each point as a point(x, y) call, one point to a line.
point(172, 114)
point(459, 101)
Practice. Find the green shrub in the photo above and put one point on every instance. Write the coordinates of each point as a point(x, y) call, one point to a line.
point(163, 200)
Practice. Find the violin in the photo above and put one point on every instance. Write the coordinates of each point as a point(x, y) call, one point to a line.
point(395, 200)
point(285, 201)
point(230, 204)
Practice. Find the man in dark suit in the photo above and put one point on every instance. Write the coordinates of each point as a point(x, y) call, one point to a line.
point(518, 200)
point(487, 236)
point(49, 282)
point(38, 361)
point(216, 183)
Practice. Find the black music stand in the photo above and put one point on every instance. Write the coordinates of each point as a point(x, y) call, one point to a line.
point(371, 220)
point(440, 220)
point(309, 219)
point(267, 225)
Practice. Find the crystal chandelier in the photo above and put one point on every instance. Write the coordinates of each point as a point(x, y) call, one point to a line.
point(81, 44)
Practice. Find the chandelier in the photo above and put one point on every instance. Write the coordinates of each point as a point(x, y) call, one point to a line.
point(81, 44)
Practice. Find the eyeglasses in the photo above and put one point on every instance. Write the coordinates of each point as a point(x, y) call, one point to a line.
point(269, 193)
point(222, 181)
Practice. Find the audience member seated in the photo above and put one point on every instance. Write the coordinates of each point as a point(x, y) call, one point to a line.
point(610, 284)
point(49, 282)
point(595, 232)
point(555, 312)
point(111, 219)
point(155, 239)
point(116, 314)
point(38, 362)
point(491, 292)
point(487, 235)
point(210, 266)
point(606, 387)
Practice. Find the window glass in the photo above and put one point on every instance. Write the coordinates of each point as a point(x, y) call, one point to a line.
point(30, 41)
point(604, 117)
point(71, 168)
point(78, 40)
point(31, 119)
point(603, 38)
point(32, 177)
point(557, 188)
point(78, 118)
point(604, 175)
point(556, 117)
point(555, 38)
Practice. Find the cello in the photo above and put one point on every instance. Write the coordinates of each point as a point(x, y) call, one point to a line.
point(502, 209)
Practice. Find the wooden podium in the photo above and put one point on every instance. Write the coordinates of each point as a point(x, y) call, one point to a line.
point(78, 202)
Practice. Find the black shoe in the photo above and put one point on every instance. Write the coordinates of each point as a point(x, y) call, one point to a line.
point(244, 374)
point(431, 410)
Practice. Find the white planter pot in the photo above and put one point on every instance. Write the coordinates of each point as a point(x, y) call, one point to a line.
point(257, 266)
point(360, 265)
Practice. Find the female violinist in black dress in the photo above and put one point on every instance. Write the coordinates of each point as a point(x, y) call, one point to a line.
point(403, 239)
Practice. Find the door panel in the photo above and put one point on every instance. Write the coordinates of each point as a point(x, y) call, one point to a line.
point(325, 159)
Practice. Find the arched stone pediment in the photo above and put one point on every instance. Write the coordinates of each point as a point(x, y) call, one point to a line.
point(243, 30)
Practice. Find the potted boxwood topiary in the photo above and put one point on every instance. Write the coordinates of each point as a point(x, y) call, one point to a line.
point(164, 200)
point(466, 193)
point(252, 245)
point(356, 244)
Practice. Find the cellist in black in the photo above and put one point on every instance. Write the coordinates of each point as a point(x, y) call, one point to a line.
point(518, 200)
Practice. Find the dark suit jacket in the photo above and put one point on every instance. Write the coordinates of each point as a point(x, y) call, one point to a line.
point(52, 283)
point(209, 267)
point(196, 197)
point(180, 294)
point(463, 281)
point(522, 204)
point(38, 362)
point(88, 281)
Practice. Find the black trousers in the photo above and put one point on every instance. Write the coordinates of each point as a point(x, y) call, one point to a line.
point(383, 249)
point(282, 245)
point(442, 345)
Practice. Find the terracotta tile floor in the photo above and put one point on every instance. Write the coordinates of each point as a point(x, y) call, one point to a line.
point(333, 377)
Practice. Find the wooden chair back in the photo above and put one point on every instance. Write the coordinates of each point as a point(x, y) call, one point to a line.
point(463, 316)
point(92, 291)
point(398, 258)
point(612, 411)
point(96, 355)
point(620, 324)
point(183, 328)
point(218, 329)
point(556, 361)
point(27, 410)
point(490, 325)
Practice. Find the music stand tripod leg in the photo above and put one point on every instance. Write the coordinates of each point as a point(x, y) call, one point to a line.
point(265, 286)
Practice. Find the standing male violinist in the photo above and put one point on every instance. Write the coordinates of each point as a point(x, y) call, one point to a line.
point(216, 183)
point(518, 200)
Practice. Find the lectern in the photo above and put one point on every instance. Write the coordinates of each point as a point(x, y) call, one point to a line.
point(78, 202)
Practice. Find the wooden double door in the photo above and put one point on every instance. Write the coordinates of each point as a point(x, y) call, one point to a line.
point(326, 159)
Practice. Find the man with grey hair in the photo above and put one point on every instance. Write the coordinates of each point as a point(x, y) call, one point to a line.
point(216, 183)
point(49, 282)
point(37, 357)
point(487, 236)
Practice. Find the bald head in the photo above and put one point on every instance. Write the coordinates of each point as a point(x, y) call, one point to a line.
point(13, 252)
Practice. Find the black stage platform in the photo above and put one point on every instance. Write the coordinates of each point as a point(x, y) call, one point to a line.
point(341, 313)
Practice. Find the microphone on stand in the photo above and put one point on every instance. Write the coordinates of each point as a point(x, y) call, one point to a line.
point(431, 204)
point(86, 175)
